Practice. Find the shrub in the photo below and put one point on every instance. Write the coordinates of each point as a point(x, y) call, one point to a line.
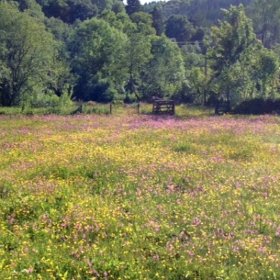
point(130, 98)
point(65, 103)
point(258, 106)
point(44, 100)
point(49, 103)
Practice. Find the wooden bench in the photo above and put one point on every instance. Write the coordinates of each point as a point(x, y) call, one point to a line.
point(163, 107)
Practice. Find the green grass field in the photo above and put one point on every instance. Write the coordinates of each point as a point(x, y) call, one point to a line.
point(129, 196)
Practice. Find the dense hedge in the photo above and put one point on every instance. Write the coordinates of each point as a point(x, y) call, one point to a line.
point(258, 106)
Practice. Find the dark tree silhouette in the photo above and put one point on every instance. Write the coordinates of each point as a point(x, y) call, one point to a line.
point(158, 22)
point(133, 6)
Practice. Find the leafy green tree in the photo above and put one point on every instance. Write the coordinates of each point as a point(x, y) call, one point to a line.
point(120, 21)
point(234, 36)
point(118, 7)
point(99, 60)
point(202, 13)
point(266, 18)
point(158, 21)
point(71, 10)
point(165, 72)
point(27, 52)
point(31, 6)
point(139, 54)
point(242, 68)
point(139, 49)
point(267, 72)
point(179, 28)
point(143, 23)
point(60, 78)
point(139, 31)
point(197, 75)
point(230, 41)
point(59, 29)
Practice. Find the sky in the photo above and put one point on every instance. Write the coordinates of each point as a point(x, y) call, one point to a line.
point(148, 1)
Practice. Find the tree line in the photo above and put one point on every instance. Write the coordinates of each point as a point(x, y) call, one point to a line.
point(190, 51)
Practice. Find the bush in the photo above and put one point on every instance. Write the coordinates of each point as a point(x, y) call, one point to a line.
point(44, 100)
point(130, 98)
point(50, 103)
point(109, 94)
point(101, 92)
point(258, 106)
point(65, 103)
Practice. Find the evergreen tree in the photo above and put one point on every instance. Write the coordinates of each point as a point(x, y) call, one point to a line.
point(158, 22)
point(133, 6)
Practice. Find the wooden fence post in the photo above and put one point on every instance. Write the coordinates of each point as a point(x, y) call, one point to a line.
point(138, 108)
point(111, 108)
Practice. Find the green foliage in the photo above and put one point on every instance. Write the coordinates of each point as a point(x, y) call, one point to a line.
point(48, 103)
point(59, 29)
point(106, 51)
point(98, 52)
point(200, 12)
point(27, 51)
point(65, 103)
point(184, 147)
point(31, 6)
point(143, 23)
point(158, 21)
point(44, 100)
point(70, 11)
point(231, 39)
point(133, 6)
point(196, 85)
point(179, 28)
point(242, 67)
point(165, 72)
point(266, 18)
point(138, 57)
point(119, 21)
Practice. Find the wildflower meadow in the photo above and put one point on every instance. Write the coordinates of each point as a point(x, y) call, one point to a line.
point(129, 196)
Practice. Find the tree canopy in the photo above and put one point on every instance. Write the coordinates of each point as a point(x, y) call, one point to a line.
point(28, 53)
point(189, 50)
